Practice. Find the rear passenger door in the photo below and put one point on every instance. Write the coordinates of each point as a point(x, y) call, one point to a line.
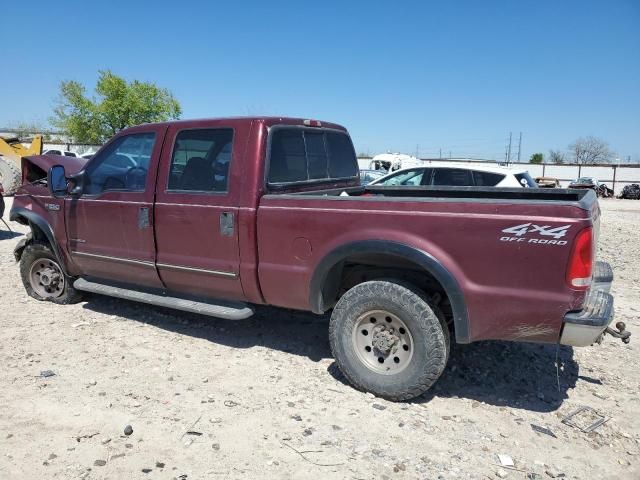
point(196, 211)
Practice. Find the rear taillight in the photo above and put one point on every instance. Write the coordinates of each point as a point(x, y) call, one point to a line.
point(581, 260)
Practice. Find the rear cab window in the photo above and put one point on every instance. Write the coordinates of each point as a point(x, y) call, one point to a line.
point(309, 155)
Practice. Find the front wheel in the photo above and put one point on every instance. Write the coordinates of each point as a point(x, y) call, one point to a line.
point(387, 340)
point(43, 278)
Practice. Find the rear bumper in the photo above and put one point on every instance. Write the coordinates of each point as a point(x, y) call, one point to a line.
point(586, 326)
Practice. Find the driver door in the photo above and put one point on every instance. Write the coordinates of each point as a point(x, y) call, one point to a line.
point(110, 226)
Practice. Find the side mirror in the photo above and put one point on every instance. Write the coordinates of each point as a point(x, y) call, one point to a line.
point(57, 181)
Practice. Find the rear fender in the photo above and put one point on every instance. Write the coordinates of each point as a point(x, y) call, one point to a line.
point(418, 257)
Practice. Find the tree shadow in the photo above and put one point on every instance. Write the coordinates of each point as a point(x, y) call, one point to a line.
point(518, 375)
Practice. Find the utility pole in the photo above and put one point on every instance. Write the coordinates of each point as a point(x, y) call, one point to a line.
point(519, 146)
point(449, 154)
point(441, 154)
point(509, 150)
point(417, 150)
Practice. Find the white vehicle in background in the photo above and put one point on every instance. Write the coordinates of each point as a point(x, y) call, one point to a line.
point(55, 151)
point(459, 175)
point(394, 161)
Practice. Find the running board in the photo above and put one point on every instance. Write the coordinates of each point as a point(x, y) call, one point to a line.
point(229, 311)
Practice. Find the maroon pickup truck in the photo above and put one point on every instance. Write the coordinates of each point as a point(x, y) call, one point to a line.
point(214, 216)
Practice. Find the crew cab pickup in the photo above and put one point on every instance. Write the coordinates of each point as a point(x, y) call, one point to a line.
point(216, 216)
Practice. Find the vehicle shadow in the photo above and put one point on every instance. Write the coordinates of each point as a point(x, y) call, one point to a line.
point(7, 234)
point(505, 374)
point(519, 375)
point(509, 374)
point(290, 331)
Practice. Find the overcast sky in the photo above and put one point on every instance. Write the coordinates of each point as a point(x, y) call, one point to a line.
point(456, 76)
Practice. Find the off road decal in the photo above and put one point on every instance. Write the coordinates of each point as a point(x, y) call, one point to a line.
point(537, 234)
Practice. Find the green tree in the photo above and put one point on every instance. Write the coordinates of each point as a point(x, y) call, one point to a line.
point(118, 104)
point(536, 158)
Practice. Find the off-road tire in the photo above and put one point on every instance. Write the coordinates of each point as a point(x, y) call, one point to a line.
point(430, 338)
point(10, 176)
point(34, 252)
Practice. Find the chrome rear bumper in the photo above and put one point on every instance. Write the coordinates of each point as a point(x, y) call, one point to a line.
point(586, 326)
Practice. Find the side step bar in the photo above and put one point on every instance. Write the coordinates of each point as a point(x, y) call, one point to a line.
point(227, 310)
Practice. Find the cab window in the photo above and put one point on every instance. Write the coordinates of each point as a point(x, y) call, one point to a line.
point(200, 160)
point(123, 165)
point(310, 154)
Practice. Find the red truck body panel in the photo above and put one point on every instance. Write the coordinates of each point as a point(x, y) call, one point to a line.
point(512, 289)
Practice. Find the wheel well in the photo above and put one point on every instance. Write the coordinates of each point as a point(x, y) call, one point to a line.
point(360, 268)
point(38, 234)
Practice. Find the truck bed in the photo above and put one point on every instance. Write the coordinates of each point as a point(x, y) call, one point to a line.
point(512, 287)
point(566, 196)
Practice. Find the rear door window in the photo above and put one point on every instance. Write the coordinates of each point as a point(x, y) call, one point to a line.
point(456, 177)
point(487, 179)
point(302, 155)
point(200, 160)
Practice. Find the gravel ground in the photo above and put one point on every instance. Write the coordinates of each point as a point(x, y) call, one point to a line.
point(262, 398)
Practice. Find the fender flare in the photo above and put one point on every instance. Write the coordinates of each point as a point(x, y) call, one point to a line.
point(33, 218)
point(423, 259)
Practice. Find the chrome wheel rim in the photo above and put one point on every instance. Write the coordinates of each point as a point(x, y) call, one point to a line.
point(46, 278)
point(382, 342)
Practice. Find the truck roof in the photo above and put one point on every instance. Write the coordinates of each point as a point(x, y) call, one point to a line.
point(266, 120)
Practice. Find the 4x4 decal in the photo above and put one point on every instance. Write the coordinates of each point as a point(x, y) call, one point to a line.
point(519, 234)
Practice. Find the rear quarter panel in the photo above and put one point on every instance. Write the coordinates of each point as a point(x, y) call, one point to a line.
point(513, 289)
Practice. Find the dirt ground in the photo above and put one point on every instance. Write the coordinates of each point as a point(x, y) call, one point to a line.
point(262, 398)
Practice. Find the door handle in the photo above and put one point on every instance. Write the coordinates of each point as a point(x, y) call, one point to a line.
point(226, 224)
point(143, 217)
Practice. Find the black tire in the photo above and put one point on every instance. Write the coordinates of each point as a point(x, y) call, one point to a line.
point(41, 252)
point(430, 339)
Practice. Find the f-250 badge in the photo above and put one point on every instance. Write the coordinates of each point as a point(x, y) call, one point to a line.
point(531, 233)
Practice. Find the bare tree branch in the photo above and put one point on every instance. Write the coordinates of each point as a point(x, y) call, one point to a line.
point(590, 150)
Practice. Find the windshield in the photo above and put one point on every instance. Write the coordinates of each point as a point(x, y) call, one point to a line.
point(525, 180)
point(584, 180)
point(368, 176)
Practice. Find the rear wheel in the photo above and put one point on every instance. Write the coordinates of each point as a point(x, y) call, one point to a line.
point(387, 340)
point(43, 278)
